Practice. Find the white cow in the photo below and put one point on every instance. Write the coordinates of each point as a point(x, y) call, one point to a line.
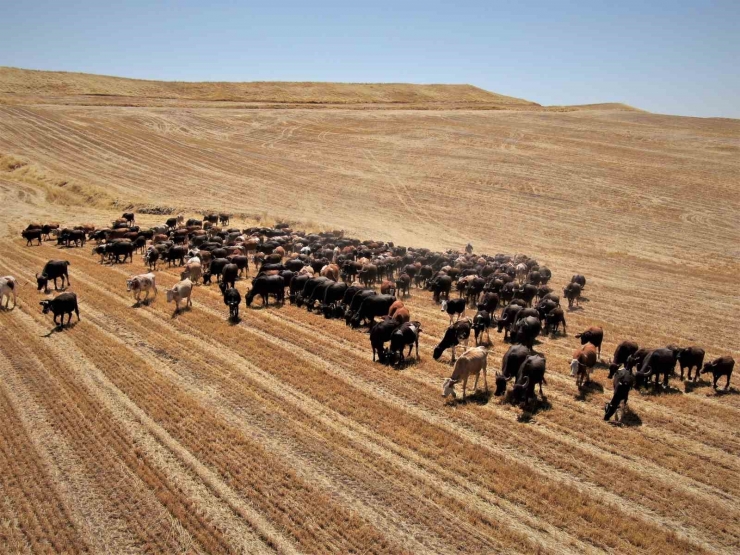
point(193, 270)
point(142, 282)
point(180, 291)
point(471, 362)
point(8, 285)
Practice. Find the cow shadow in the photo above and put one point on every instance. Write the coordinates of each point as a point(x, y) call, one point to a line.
point(690, 386)
point(629, 419)
point(59, 328)
point(143, 302)
point(532, 408)
point(584, 299)
point(601, 365)
point(574, 308)
point(478, 397)
point(406, 363)
point(652, 391)
point(184, 309)
point(587, 390)
point(723, 392)
point(234, 321)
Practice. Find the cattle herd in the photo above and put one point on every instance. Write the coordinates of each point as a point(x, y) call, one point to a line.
point(361, 281)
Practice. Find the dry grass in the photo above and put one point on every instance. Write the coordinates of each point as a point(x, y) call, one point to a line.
point(145, 432)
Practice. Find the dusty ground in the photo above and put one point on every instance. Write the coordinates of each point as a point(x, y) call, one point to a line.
point(135, 431)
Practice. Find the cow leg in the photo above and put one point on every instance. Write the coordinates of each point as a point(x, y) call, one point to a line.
point(682, 368)
point(465, 386)
point(727, 385)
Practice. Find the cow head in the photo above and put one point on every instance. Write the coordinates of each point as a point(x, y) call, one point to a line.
point(46, 305)
point(613, 370)
point(42, 281)
point(500, 384)
point(132, 284)
point(707, 368)
point(448, 388)
point(170, 295)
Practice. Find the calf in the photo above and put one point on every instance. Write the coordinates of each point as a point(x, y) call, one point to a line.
point(691, 357)
point(180, 291)
point(454, 306)
point(142, 282)
point(406, 334)
point(471, 362)
point(454, 335)
point(150, 258)
point(8, 285)
point(402, 284)
point(721, 366)
point(64, 303)
point(232, 299)
point(594, 336)
point(53, 269)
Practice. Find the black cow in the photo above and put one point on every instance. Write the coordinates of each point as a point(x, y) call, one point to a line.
point(489, 303)
point(554, 318)
point(407, 334)
point(721, 366)
point(129, 217)
point(332, 297)
point(76, 236)
point(116, 249)
point(508, 317)
point(623, 351)
point(307, 292)
point(572, 292)
point(53, 269)
point(356, 303)
point(579, 279)
point(216, 268)
point(482, 322)
point(318, 293)
point(593, 335)
point(527, 330)
point(691, 357)
point(531, 373)
point(454, 335)
point(151, 257)
point(265, 286)
point(376, 305)
point(440, 287)
point(660, 361)
point(510, 363)
point(623, 381)
point(527, 293)
point(380, 334)
point(64, 303)
point(232, 299)
point(403, 283)
point(296, 286)
point(30, 235)
point(242, 262)
point(229, 273)
point(454, 306)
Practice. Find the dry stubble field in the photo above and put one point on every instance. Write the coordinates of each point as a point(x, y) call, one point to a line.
point(137, 432)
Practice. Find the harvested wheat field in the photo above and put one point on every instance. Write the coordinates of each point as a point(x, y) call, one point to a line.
point(135, 430)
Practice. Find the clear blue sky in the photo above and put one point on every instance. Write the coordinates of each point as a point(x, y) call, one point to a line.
point(677, 57)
